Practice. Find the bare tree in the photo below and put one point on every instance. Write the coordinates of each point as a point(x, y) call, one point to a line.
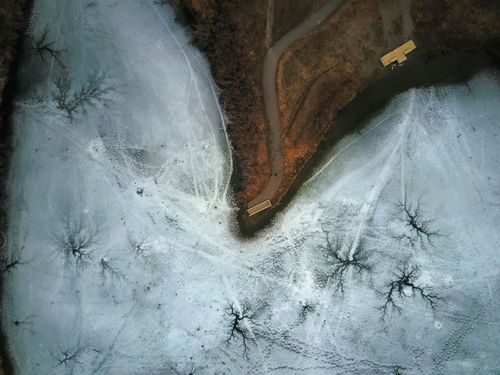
point(68, 357)
point(192, 370)
point(419, 228)
point(397, 370)
point(94, 91)
point(140, 248)
point(14, 259)
point(239, 319)
point(11, 262)
point(75, 242)
point(25, 324)
point(305, 309)
point(339, 264)
point(109, 269)
point(404, 285)
point(92, 4)
point(42, 47)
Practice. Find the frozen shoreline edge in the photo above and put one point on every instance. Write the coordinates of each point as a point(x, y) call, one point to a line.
point(451, 69)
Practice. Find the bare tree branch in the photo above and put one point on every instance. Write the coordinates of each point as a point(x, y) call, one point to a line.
point(404, 285)
point(109, 269)
point(191, 371)
point(75, 241)
point(25, 324)
point(13, 260)
point(340, 264)
point(419, 229)
point(42, 47)
point(94, 91)
point(238, 321)
point(305, 309)
point(68, 357)
point(397, 370)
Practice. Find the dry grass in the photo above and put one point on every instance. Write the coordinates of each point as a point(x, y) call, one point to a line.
point(291, 13)
point(224, 39)
point(457, 25)
point(325, 70)
point(232, 34)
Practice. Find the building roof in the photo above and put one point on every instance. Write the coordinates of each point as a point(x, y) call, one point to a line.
point(398, 54)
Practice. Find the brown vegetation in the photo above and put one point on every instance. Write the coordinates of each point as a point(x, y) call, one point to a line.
point(323, 71)
point(232, 36)
point(223, 40)
point(288, 14)
point(11, 22)
point(447, 25)
point(326, 69)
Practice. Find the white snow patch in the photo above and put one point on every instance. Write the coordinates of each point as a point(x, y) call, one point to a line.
point(121, 257)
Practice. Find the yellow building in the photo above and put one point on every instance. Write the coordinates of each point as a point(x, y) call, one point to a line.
point(399, 54)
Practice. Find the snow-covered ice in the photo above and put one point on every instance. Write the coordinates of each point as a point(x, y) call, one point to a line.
point(122, 256)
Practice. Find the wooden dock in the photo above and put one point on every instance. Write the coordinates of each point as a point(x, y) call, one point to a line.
point(398, 54)
point(259, 207)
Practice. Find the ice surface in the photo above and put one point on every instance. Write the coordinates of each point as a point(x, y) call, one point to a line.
point(121, 256)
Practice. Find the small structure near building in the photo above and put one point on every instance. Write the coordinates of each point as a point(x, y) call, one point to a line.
point(259, 207)
point(399, 54)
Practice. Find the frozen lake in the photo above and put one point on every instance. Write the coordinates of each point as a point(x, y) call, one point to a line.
point(121, 255)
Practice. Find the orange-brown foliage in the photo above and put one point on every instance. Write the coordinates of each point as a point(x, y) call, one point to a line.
point(216, 34)
point(205, 8)
point(11, 20)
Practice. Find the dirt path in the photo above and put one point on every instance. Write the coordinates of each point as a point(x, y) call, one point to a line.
point(271, 96)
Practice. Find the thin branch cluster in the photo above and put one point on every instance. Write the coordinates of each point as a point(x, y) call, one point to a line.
point(419, 229)
point(191, 371)
point(75, 242)
point(93, 92)
point(42, 47)
point(397, 370)
point(12, 261)
point(140, 248)
point(24, 324)
point(340, 264)
point(66, 357)
point(110, 270)
point(404, 285)
point(305, 309)
point(238, 325)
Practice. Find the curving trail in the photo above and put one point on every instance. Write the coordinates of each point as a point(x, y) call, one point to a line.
point(269, 69)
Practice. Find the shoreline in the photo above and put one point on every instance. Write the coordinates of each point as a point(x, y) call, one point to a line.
point(6, 150)
point(317, 79)
point(415, 73)
point(271, 104)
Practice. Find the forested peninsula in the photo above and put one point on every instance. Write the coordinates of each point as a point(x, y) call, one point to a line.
point(330, 78)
